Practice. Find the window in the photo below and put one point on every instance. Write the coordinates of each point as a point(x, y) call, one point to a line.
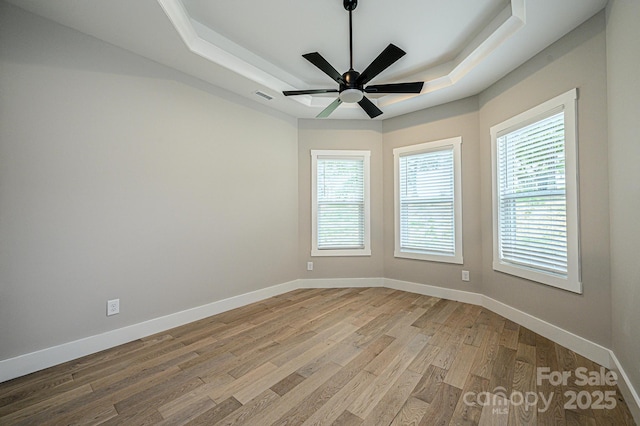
point(535, 194)
point(340, 203)
point(428, 201)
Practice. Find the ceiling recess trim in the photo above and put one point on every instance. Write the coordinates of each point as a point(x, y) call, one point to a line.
point(506, 23)
point(186, 27)
point(228, 54)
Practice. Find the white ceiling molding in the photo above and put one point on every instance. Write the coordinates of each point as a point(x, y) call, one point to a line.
point(458, 47)
point(502, 27)
point(209, 44)
point(224, 52)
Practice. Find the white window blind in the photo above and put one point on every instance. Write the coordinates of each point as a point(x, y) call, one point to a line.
point(340, 203)
point(535, 194)
point(428, 201)
point(532, 220)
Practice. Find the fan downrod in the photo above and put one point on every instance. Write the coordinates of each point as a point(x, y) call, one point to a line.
point(350, 4)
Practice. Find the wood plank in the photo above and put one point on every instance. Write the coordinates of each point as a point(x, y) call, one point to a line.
point(445, 357)
point(509, 339)
point(303, 410)
point(468, 411)
point(431, 312)
point(261, 384)
point(411, 413)
point(524, 383)
point(47, 404)
point(247, 363)
point(496, 413)
point(252, 409)
point(378, 365)
point(277, 411)
point(288, 383)
point(392, 402)
point(182, 403)
point(347, 419)
point(37, 387)
point(553, 414)
point(321, 356)
point(486, 355)
point(159, 394)
point(365, 402)
point(338, 403)
point(189, 411)
point(476, 335)
point(459, 370)
point(568, 362)
point(441, 410)
point(503, 369)
point(493, 321)
point(217, 413)
point(526, 336)
point(429, 385)
point(423, 360)
point(526, 353)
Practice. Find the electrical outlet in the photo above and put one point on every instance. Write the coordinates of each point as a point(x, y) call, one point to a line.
point(113, 307)
point(465, 275)
point(309, 266)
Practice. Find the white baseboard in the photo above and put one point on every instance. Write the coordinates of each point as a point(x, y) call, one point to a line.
point(341, 282)
point(628, 392)
point(579, 345)
point(35, 361)
point(435, 291)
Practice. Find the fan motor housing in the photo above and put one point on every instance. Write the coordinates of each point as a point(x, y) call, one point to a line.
point(350, 79)
point(351, 91)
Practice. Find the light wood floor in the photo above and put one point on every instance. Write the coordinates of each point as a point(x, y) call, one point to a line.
point(328, 356)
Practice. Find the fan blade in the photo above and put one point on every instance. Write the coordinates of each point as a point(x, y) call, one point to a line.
point(396, 88)
point(308, 92)
point(368, 107)
point(384, 60)
point(316, 59)
point(328, 110)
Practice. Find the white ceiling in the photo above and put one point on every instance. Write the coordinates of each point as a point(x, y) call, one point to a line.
point(457, 47)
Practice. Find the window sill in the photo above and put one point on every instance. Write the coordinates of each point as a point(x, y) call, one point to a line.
point(340, 253)
point(428, 257)
point(573, 285)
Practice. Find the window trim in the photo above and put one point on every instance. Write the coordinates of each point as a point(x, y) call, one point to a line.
point(338, 154)
point(456, 144)
point(566, 102)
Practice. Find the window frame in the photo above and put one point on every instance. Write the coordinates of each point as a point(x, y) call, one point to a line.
point(566, 102)
point(454, 143)
point(341, 154)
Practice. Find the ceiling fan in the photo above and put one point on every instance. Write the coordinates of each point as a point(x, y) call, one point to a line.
point(352, 83)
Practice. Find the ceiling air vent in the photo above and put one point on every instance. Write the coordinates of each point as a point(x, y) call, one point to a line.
point(264, 95)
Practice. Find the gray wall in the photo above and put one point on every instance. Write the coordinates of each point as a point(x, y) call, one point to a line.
point(577, 60)
point(446, 121)
point(345, 135)
point(623, 60)
point(120, 178)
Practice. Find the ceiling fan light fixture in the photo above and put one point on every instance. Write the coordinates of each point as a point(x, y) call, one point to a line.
point(352, 83)
point(351, 96)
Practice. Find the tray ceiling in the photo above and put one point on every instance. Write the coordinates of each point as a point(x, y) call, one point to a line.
point(458, 47)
